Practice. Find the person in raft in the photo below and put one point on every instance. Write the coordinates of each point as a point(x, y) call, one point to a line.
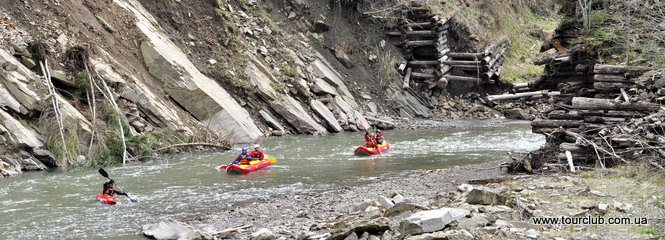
point(108, 189)
point(370, 140)
point(379, 137)
point(243, 158)
point(257, 154)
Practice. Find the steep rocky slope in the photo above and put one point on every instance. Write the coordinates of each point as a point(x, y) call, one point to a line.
point(198, 71)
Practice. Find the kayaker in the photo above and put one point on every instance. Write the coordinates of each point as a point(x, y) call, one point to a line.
point(243, 158)
point(108, 189)
point(379, 137)
point(257, 154)
point(370, 140)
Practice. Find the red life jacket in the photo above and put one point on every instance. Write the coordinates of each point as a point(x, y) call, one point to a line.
point(257, 155)
point(108, 191)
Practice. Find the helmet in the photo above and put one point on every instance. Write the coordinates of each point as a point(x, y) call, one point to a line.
point(244, 149)
point(378, 130)
point(256, 146)
point(371, 134)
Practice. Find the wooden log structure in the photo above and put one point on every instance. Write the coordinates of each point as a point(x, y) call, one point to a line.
point(608, 104)
point(612, 113)
point(599, 119)
point(520, 85)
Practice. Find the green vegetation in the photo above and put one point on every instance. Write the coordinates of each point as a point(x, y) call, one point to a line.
point(627, 32)
point(526, 24)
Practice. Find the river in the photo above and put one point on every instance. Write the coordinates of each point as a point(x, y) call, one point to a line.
point(61, 205)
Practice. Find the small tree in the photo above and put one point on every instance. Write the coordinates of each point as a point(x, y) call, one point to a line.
point(585, 10)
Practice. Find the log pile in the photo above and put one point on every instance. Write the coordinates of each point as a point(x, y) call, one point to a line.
point(613, 125)
point(431, 60)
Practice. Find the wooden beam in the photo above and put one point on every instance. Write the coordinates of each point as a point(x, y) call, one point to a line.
point(462, 78)
point(610, 78)
point(452, 62)
point(423, 63)
point(616, 69)
point(611, 86)
point(422, 75)
point(480, 68)
point(420, 33)
point(607, 104)
point(469, 56)
point(522, 95)
point(549, 123)
point(419, 43)
point(407, 77)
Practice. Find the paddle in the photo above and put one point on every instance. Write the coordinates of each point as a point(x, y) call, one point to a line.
point(106, 175)
point(377, 145)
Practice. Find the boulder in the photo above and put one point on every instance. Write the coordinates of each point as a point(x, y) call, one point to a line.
point(262, 80)
point(486, 196)
point(171, 229)
point(321, 87)
point(410, 104)
point(7, 101)
point(327, 73)
point(587, 204)
point(262, 234)
point(320, 27)
point(403, 208)
point(201, 96)
point(291, 110)
point(62, 78)
point(331, 122)
point(431, 220)
point(268, 119)
point(386, 202)
point(45, 157)
point(517, 113)
point(19, 135)
point(28, 62)
point(344, 228)
point(343, 58)
point(472, 222)
point(398, 198)
point(465, 188)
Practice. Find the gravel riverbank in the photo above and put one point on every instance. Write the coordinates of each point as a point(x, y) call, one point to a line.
point(439, 204)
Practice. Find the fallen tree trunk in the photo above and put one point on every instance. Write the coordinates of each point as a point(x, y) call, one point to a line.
point(423, 62)
point(452, 62)
point(562, 114)
point(422, 75)
point(607, 104)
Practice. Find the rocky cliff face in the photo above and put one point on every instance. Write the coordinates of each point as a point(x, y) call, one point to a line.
point(237, 74)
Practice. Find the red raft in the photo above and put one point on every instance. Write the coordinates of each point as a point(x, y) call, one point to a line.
point(362, 150)
point(106, 199)
point(244, 168)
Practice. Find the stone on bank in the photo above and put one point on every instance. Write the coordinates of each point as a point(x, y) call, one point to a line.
point(431, 220)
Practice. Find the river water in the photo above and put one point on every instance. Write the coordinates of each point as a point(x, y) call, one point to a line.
point(61, 205)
